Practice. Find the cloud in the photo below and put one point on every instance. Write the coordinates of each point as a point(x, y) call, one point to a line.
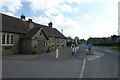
point(75, 9)
point(70, 27)
point(87, 17)
point(56, 5)
point(10, 5)
point(54, 10)
point(41, 20)
point(9, 13)
point(66, 8)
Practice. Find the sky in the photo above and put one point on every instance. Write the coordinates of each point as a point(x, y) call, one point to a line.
point(82, 18)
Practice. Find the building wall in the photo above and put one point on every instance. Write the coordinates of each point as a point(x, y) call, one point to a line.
point(7, 50)
point(26, 46)
point(34, 45)
point(56, 43)
point(40, 41)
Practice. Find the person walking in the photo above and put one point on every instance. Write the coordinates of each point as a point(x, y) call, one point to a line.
point(89, 47)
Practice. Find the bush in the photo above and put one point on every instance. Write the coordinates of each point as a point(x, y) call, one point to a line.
point(106, 44)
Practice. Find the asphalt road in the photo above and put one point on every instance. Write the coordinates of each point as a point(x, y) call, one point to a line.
point(41, 66)
point(104, 66)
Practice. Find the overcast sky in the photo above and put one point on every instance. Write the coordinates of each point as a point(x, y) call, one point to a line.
point(82, 18)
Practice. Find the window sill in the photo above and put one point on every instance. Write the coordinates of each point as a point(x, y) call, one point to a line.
point(7, 45)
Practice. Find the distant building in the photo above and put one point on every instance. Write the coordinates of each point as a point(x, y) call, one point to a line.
point(82, 41)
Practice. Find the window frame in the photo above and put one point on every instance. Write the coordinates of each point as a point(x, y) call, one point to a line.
point(10, 40)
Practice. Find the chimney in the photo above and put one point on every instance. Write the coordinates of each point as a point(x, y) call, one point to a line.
point(22, 17)
point(50, 24)
point(30, 23)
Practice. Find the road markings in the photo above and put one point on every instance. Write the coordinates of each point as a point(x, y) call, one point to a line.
point(108, 50)
point(95, 56)
point(81, 74)
point(83, 67)
point(101, 53)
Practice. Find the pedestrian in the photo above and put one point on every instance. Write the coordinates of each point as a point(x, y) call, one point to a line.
point(89, 47)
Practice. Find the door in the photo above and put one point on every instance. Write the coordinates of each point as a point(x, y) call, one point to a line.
point(40, 46)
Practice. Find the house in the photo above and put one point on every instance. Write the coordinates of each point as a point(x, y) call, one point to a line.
point(25, 37)
point(81, 41)
point(70, 41)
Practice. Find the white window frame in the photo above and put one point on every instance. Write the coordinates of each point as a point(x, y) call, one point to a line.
point(6, 40)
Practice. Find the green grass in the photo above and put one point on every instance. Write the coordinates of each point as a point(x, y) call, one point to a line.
point(112, 47)
point(115, 47)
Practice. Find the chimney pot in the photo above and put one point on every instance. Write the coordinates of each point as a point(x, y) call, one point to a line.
point(22, 17)
point(30, 20)
point(50, 24)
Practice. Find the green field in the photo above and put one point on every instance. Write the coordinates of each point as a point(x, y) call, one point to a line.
point(112, 47)
point(115, 47)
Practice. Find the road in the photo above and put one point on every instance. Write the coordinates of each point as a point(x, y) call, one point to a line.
point(42, 66)
point(103, 66)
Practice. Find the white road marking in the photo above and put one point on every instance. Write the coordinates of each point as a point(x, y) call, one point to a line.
point(81, 74)
point(86, 50)
point(108, 50)
point(94, 58)
point(101, 54)
point(83, 67)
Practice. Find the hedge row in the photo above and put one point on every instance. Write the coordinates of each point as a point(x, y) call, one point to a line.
point(106, 44)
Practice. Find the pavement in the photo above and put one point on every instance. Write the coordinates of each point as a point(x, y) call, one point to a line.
point(44, 65)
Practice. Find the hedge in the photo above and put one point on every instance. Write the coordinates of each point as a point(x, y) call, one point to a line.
point(107, 44)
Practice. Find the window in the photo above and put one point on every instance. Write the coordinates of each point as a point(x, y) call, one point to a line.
point(7, 39)
point(45, 43)
point(3, 39)
point(40, 33)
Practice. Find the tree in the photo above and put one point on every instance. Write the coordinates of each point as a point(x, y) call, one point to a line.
point(76, 40)
point(114, 38)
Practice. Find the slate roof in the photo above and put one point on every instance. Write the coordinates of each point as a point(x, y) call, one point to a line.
point(12, 24)
point(32, 32)
point(16, 25)
point(50, 32)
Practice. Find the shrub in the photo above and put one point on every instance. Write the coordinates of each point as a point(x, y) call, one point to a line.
point(106, 44)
